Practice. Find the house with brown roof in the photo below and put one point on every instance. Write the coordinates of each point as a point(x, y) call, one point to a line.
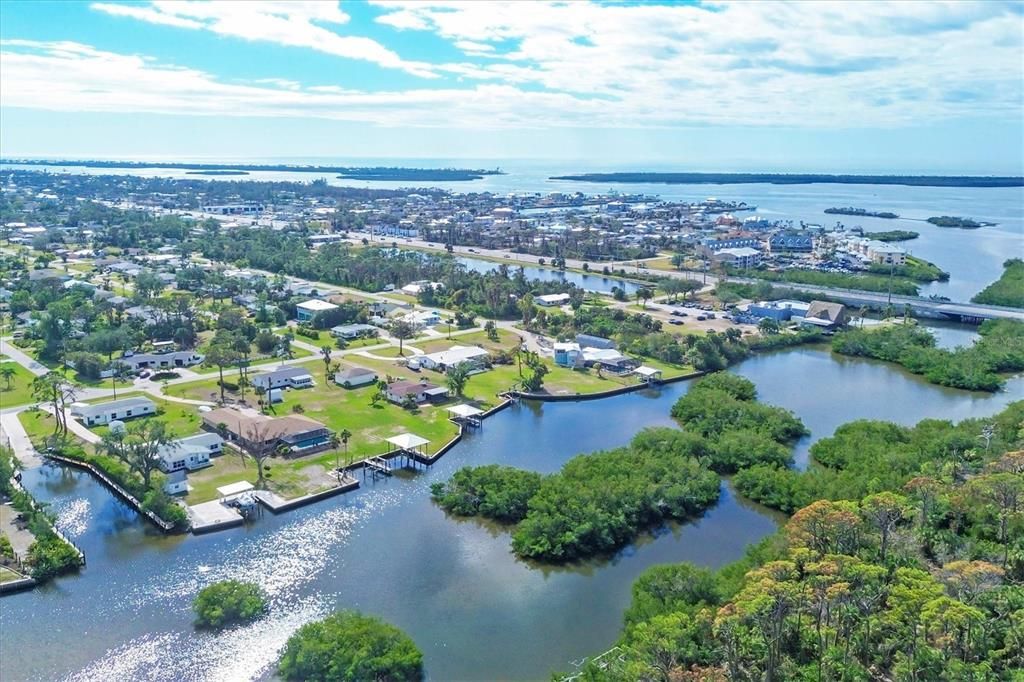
point(421, 391)
point(825, 315)
point(297, 433)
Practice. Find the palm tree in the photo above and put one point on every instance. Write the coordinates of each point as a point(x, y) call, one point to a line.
point(325, 351)
point(344, 436)
point(335, 442)
point(7, 371)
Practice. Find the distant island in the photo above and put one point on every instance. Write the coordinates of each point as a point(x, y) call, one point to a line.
point(862, 212)
point(957, 221)
point(415, 174)
point(348, 172)
point(799, 179)
point(893, 235)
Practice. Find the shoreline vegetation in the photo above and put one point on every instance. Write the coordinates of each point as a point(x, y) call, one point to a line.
point(347, 172)
point(978, 367)
point(49, 555)
point(957, 221)
point(877, 278)
point(799, 179)
point(1008, 290)
point(861, 212)
point(902, 561)
point(664, 474)
point(893, 235)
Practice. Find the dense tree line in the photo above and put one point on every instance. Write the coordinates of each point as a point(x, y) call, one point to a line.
point(492, 294)
point(48, 555)
point(837, 280)
point(978, 367)
point(1008, 290)
point(733, 430)
point(915, 576)
point(866, 456)
point(799, 179)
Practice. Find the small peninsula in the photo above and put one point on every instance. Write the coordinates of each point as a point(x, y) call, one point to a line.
point(799, 179)
point(888, 215)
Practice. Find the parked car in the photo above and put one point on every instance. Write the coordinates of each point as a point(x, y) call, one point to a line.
point(675, 322)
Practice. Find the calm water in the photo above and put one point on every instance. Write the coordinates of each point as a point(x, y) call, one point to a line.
point(476, 611)
point(973, 257)
point(598, 283)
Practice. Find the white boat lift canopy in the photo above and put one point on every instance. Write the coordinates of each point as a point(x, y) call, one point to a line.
point(234, 488)
point(464, 410)
point(407, 441)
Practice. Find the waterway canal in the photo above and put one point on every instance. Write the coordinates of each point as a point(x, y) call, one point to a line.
point(475, 611)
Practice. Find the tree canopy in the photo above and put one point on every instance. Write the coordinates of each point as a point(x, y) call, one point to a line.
point(351, 647)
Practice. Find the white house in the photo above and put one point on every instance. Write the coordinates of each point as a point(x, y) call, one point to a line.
point(416, 288)
point(355, 376)
point(284, 377)
point(104, 413)
point(455, 356)
point(176, 483)
point(190, 453)
point(307, 310)
point(353, 331)
point(181, 358)
point(549, 300)
point(423, 318)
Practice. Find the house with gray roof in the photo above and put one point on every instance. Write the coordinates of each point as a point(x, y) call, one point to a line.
point(116, 410)
point(190, 453)
point(283, 377)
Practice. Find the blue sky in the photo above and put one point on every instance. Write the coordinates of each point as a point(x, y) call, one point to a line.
point(903, 87)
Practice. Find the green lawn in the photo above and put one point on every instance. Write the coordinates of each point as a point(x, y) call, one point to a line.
point(38, 425)
point(7, 575)
point(286, 478)
point(350, 409)
point(19, 389)
point(181, 420)
point(364, 342)
point(70, 374)
point(507, 341)
point(405, 298)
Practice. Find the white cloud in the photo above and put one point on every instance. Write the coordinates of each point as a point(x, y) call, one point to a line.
point(290, 23)
point(576, 64)
point(783, 62)
point(147, 14)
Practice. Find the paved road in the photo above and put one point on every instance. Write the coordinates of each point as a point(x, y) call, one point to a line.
point(14, 353)
point(12, 432)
